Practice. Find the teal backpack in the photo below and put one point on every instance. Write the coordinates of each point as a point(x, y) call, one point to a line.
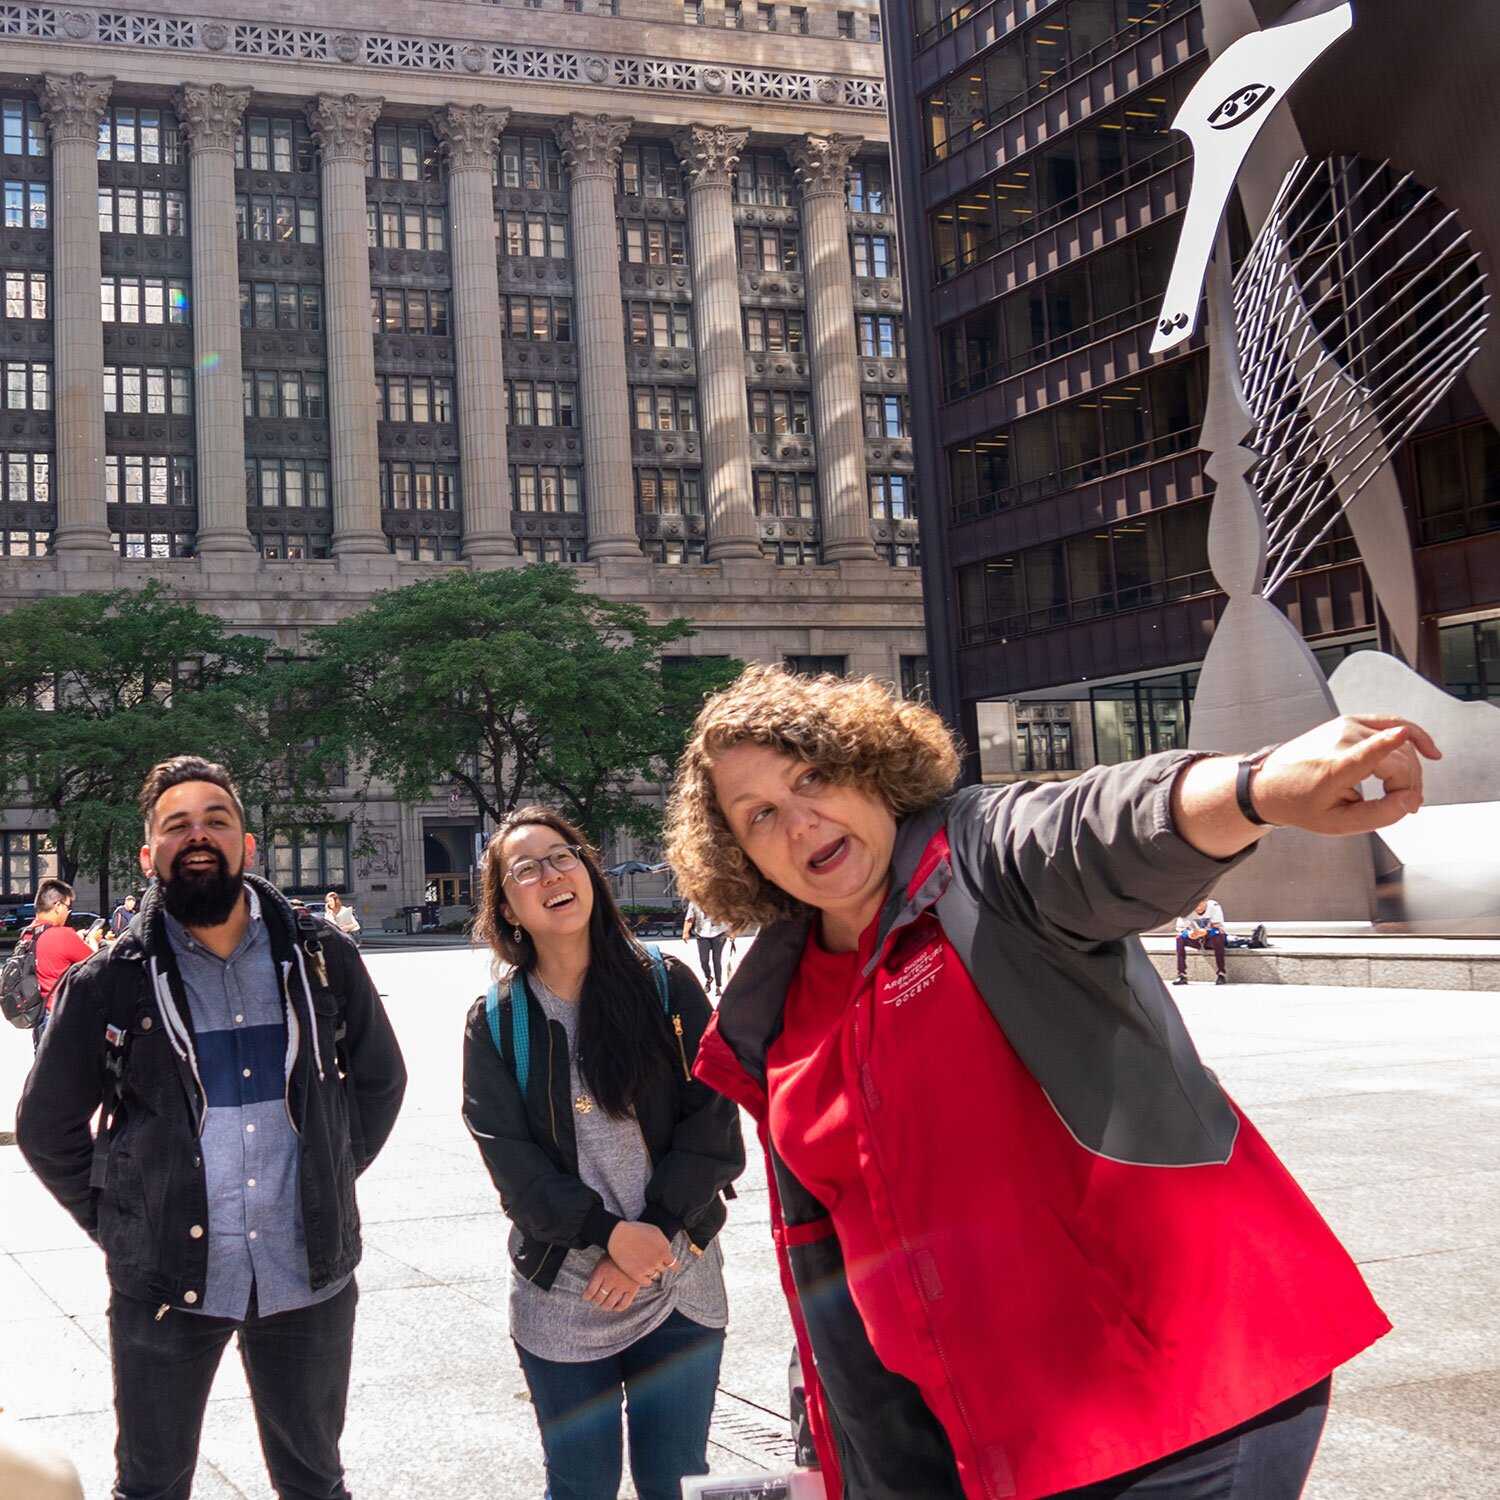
point(520, 1018)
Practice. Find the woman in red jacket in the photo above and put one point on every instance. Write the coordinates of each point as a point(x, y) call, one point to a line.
point(1030, 1246)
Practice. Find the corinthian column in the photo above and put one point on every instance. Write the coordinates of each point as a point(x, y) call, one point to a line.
point(471, 133)
point(73, 105)
point(709, 154)
point(342, 124)
point(211, 115)
point(591, 148)
point(822, 163)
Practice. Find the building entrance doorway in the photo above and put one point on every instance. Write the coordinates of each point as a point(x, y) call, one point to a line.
point(448, 846)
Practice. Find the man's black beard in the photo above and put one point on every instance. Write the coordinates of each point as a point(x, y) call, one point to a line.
point(201, 900)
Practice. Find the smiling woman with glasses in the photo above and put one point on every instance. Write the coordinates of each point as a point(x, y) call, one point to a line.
point(611, 1162)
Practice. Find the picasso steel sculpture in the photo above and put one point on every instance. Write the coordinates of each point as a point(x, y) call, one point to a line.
point(1364, 299)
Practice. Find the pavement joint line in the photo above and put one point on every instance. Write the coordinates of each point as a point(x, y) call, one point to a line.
point(1386, 1260)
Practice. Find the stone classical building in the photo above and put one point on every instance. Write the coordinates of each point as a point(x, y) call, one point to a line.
point(1065, 498)
point(299, 310)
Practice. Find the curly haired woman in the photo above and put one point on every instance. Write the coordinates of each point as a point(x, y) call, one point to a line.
point(1031, 1246)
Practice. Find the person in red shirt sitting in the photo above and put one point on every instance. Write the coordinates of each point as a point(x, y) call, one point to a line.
point(1030, 1245)
point(58, 947)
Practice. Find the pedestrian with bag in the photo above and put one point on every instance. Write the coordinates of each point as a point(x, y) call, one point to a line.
point(611, 1162)
point(245, 1073)
point(44, 953)
point(1031, 1246)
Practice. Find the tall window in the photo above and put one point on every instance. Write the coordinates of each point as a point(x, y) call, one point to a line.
point(881, 336)
point(886, 416)
point(22, 132)
point(775, 331)
point(656, 325)
point(874, 254)
point(769, 249)
point(267, 144)
point(128, 133)
point(543, 319)
point(869, 188)
point(26, 478)
point(26, 858)
point(124, 210)
point(533, 236)
point(532, 162)
point(266, 305)
point(404, 226)
point(147, 479)
point(25, 205)
point(780, 412)
point(765, 177)
point(158, 389)
point(542, 403)
point(647, 242)
point(916, 681)
point(650, 171)
point(413, 398)
point(25, 385)
point(403, 153)
point(664, 409)
point(290, 395)
point(26, 294)
point(1458, 483)
point(143, 299)
point(418, 486)
point(668, 492)
point(547, 488)
point(787, 495)
point(286, 483)
point(315, 860)
point(891, 497)
point(409, 310)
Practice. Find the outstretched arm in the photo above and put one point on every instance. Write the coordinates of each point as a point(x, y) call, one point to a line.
point(1310, 782)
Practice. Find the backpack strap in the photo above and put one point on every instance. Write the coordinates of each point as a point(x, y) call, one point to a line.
point(520, 1027)
point(659, 974)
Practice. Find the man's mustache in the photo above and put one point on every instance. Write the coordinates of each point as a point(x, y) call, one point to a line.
point(181, 872)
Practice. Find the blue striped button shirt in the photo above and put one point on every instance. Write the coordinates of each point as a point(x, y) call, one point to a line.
point(250, 1149)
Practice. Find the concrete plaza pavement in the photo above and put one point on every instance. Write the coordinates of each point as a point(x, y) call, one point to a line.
point(1385, 1104)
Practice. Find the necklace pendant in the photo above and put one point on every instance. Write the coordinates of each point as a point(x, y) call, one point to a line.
point(583, 1105)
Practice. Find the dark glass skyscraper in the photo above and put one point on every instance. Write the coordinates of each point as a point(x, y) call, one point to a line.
point(1069, 596)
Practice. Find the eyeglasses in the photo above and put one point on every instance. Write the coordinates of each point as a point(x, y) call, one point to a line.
point(529, 871)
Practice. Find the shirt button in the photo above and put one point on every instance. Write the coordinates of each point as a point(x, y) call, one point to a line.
point(190, 1298)
point(249, 1130)
point(250, 1183)
point(247, 1072)
point(252, 1234)
point(238, 1019)
point(196, 1231)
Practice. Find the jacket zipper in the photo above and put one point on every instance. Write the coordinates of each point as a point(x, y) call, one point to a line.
point(687, 1073)
point(864, 1072)
point(162, 1311)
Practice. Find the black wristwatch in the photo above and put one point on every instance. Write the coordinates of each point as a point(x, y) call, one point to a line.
point(1247, 768)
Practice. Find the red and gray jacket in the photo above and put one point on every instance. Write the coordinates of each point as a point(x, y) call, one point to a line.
point(1084, 1256)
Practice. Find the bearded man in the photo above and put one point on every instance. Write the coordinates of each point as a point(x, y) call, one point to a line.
point(247, 1073)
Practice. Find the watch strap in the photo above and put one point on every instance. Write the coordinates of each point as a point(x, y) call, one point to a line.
point(1243, 774)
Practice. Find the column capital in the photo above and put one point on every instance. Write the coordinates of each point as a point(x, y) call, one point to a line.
point(591, 144)
point(210, 113)
point(342, 124)
point(821, 162)
point(470, 133)
point(74, 104)
point(709, 153)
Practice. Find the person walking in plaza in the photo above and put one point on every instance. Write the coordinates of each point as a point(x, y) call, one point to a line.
point(57, 947)
point(245, 1073)
point(1202, 928)
point(122, 916)
point(611, 1161)
point(342, 916)
point(1035, 1248)
point(696, 923)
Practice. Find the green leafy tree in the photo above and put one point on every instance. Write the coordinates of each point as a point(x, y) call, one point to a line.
point(515, 684)
point(96, 688)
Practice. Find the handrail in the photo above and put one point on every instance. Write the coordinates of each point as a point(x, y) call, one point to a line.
point(1074, 68)
point(1142, 313)
point(964, 12)
point(1069, 208)
point(1061, 480)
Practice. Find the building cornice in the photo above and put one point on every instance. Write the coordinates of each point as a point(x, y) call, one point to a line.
point(386, 52)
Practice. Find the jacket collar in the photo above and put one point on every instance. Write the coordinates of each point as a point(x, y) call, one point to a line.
point(749, 1015)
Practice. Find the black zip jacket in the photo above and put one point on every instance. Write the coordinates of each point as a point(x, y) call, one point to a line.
point(141, 1188)
point(531, 1150)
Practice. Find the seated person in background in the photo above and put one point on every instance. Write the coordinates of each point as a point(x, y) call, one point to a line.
point(1203, 929)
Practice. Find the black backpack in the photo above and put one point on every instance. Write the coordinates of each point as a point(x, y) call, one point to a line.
point(20, 990)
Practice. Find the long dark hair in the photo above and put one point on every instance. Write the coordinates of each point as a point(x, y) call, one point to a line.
point(624, 1045)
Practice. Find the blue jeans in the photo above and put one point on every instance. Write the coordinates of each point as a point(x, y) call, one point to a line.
point(667, 1381)
point(1267, 1458)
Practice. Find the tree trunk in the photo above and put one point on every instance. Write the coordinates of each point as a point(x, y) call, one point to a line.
point(104, 854)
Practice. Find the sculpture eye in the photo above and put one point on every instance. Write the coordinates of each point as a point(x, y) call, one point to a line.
point(1240, 105)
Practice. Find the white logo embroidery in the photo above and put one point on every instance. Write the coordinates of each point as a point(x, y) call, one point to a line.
point(919, 974)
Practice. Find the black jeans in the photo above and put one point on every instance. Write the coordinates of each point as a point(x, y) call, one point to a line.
point(1266, 1458)
point(711, 960)
point(668, 1380)
point(297, 1366)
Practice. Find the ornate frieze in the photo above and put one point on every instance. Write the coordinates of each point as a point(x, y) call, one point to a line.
point(821, 162)
point(257, 38)
point(211, 114)
point(591, 144)
point(73, 104)
point(342, 124)
point(709, 153)
point(470, 134)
